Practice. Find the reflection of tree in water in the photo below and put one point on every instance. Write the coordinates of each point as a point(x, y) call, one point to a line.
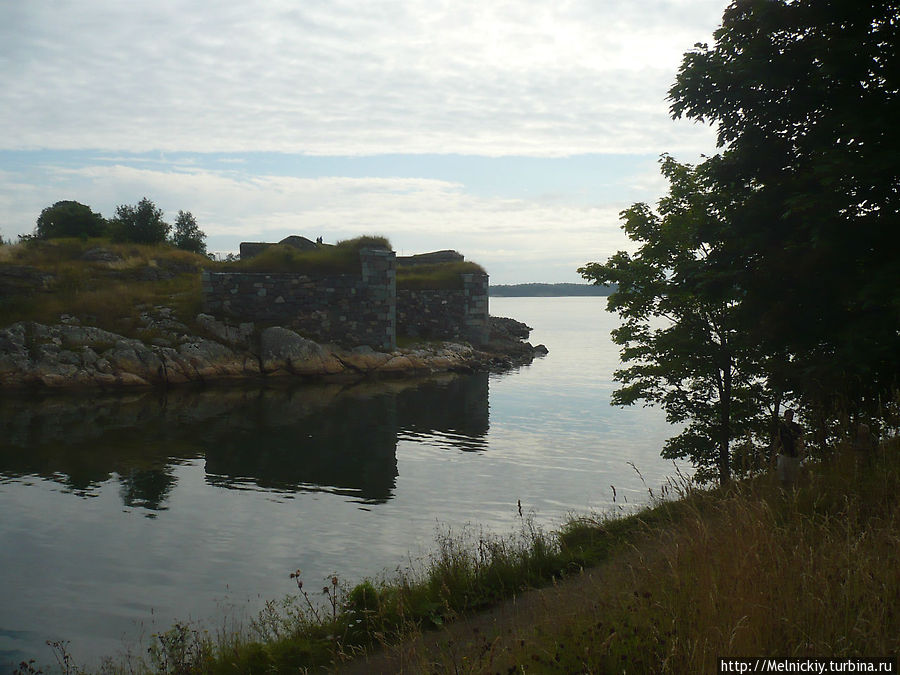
point(146, 488)
point(325, 437)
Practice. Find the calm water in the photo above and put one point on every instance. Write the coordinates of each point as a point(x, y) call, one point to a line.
point(122, 514)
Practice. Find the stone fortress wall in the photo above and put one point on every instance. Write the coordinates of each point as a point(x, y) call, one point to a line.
point(353, 310)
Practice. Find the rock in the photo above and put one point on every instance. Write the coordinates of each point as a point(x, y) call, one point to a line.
point(503, 328)
point(100, 254)
point(69, 354)
point(237, 336)
point(283, 349)
point(210, 360)
point(22, 280)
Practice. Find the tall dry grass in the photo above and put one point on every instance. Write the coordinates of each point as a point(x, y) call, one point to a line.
point(748, 571)
point(110, 294)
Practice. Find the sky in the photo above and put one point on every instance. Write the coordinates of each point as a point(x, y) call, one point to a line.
point(511, 131)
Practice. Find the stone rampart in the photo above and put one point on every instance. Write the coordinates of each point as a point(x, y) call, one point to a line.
point(352, 310)
point(446, 314)
point(344, 309)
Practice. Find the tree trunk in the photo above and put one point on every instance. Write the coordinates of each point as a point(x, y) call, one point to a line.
point(725, 426)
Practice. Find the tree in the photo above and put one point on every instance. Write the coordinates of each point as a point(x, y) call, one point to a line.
point(678, 336)
point(141, 224)
point(806, 97)
point(69, 219)
point(187, 235)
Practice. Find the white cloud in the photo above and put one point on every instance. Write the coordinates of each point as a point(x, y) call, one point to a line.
point(349, 77)
point(342, 77)
point(517, 240)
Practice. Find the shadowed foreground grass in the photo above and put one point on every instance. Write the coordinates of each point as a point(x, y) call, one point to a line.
point(747, 570)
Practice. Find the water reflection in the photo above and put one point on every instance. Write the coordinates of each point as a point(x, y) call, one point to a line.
point(334, 438)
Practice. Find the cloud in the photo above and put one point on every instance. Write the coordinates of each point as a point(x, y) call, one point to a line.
point(516, 239)
point(340, 77)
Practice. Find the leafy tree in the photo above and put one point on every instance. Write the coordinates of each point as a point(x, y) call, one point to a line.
point(141, 224)
point(805, 95)
point(69, 219)
point(679, 339)
point(187, 235)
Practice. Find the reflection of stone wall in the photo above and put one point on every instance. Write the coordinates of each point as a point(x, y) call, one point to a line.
point(446, 314)
point(310, 438)
point(348, 447)
point(347, 309)
point(457, 407)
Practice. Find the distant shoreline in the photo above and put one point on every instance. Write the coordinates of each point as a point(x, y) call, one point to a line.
point(538, 290)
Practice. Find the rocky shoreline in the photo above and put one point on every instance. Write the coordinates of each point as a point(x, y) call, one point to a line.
point(71, 355)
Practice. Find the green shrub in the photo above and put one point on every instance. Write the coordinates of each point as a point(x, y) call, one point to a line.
point(341, 258)
point(365, 241)
point(69, 219)
point(438, 276)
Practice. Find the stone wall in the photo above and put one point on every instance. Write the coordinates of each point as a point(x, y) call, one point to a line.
point(352, 310)
point(446, 314)
point(349, 310)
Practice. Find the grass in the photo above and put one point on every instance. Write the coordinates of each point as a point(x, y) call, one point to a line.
point(437, 276)
point(108, 295)
point(745, 570)
point(341, 258)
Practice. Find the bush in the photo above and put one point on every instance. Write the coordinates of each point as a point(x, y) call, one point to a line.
point(342, 258)
point(69, 219)
point(365, 241)
point(439, 276)
point(141, 224)
point(187, 235)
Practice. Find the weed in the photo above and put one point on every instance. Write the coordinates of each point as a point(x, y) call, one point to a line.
point(437, 276)
point(342, 258)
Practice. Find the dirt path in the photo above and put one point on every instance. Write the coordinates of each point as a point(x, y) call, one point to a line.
point(493, 640)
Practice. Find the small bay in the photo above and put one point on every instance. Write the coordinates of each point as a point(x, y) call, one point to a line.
point(120, 514)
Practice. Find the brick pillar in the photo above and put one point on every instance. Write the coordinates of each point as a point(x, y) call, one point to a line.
point(379, 276)
point(476, 290)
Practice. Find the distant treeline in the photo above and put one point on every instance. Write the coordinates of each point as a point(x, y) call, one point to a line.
point(548, 290)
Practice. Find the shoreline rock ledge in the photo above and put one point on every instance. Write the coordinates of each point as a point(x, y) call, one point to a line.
point(71, 355)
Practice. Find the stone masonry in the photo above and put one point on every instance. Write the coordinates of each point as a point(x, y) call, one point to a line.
point(352, 310)
point(446, 314)
point(346, 309)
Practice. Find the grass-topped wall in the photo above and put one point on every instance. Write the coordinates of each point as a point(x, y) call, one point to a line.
point(323, 260)
point(437, 276)
point(353, 306)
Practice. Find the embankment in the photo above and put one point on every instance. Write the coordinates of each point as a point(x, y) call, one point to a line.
point(70, 355)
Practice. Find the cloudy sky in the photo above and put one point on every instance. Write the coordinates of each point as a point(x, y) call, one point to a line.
point(512, 131)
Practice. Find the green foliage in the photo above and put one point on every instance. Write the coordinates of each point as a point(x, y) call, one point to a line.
point(69, 219)
point(539, 290)
point(365, 241)
point(104, 294)
point(342, 258)
point(142, 223)
point(437, 276)
point(283, 258)
point(679, 334)
point(805, 97)
point(777, 261)
point(187, 235)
